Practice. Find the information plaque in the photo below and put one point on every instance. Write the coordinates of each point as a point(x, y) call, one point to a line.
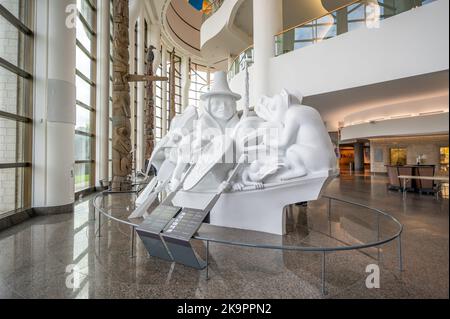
point(178, 234)
point(185, 225)
point(150, 230)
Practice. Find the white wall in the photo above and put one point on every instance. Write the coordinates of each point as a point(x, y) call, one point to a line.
point(237, 84)
point(410, 44)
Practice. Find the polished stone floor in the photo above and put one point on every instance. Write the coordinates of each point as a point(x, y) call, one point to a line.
point(45, 256)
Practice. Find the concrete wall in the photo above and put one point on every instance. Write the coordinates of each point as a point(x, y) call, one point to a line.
point(8, 103)
point(427, 145)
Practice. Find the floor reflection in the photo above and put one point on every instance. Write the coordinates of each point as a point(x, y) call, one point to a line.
point(34, 256)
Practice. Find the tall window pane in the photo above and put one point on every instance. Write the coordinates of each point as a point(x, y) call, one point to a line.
point(16, 46)
point(85, 84)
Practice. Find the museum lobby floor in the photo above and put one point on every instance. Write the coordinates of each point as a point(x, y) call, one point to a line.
point(35, 255)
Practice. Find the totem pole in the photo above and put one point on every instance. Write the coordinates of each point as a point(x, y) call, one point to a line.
point(172, 108)
point(121, 145)
point(150, 110)
point(149, 78)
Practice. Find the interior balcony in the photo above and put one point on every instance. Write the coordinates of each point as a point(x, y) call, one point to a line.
point(228, 28)
point(382, 68)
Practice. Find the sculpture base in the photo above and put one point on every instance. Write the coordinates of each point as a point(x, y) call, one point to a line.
point(258, 210)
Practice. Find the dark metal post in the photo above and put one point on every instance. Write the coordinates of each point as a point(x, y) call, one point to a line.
point(378, 238)
point(329, 216)
point(99, 224)
point(400, 254)
point(133, 240)
point(324, 292)
point(207, 260)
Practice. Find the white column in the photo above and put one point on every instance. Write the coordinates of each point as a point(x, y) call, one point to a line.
point(208, 78)
point(267, 21)
point(165, 89)
point(230, 61)
point(186, 81)
point(54, 109)
point(102, 114)
point(140, 151)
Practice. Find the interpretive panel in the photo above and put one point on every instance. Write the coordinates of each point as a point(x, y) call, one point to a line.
point(178, 234)
point(159, 218)
point(186, 224)
point(150, 231)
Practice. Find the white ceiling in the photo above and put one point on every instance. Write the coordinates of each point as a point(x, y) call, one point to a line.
point(335, 106)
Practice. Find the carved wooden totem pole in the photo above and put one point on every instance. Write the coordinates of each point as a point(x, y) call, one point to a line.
point(172, 88)
point(150, 109)
point(121, 146)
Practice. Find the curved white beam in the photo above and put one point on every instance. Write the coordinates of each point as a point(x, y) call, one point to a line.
point(218, 34)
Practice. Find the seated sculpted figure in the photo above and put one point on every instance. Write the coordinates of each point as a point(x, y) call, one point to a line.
point(217, 117)
point(302, 142)
point(181, 127)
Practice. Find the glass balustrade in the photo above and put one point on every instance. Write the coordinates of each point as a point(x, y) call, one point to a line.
point(241, 62)
point(356, 15)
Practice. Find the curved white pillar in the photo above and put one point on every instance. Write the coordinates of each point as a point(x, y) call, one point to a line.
point(186, 81)
point(102, 109)
point(267, 21)
point(54, 111)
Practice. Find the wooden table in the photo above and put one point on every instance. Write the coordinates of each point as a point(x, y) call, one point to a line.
point(440, 179)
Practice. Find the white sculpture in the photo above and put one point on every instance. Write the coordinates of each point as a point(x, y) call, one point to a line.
point(290, 159)
point(164, 159)
point(304, 144)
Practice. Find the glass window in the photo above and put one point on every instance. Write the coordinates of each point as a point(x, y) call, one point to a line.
point(84, 63)
point(85, 81)
point(83, 147)
point(83, 123)
point(84, 91)
point(12, 189)
point(199, 83)
point(13, 7)
point(15, 107)
point(82, 176)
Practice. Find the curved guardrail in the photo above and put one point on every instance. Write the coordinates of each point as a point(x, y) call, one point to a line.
point(322, 250)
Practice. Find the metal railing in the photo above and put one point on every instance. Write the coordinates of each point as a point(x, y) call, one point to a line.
point(355, 15)
point(243, 60)
point(377, 227)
